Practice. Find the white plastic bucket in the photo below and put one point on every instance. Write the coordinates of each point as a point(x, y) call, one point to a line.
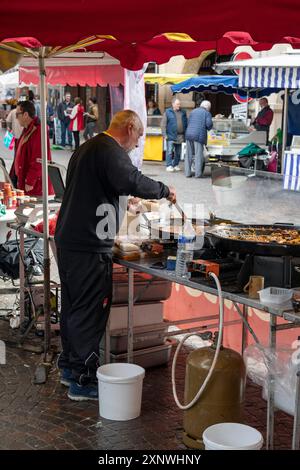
point(232, 436)
point(120, 391)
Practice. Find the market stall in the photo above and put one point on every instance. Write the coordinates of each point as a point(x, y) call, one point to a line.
point(131, 47)
point(154, 143)
point(282, 71)
point(228, 136)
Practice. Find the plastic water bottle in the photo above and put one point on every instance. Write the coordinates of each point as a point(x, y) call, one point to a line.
point(185, 250)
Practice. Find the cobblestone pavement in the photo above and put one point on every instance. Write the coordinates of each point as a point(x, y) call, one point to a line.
point(42, 417)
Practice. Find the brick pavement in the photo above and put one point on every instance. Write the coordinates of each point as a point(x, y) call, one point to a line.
point(42, 417)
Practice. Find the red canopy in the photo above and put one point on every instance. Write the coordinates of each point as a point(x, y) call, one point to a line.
point(54, 22)
point(134, 31)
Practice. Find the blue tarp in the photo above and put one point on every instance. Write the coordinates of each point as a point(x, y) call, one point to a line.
point(228, 84)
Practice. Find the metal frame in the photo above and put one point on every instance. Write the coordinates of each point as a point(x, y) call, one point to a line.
point(275, 312)
point(242, 299)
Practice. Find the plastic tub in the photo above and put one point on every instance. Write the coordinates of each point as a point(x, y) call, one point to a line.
point(232, 436)
point(275, 295)
point(120, 391)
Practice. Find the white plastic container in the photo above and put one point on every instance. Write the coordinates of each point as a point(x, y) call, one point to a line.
point(230, 190)
point(232, 436)
point(275, 295)
point(120, 391)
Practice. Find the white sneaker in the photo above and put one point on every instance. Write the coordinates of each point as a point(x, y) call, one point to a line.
point(176, 168)
point(169, 168)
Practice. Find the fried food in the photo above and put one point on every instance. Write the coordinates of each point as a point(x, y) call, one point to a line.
point(260, 235)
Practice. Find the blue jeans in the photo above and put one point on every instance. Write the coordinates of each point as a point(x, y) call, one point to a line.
point(172, 147)
point(65, 129)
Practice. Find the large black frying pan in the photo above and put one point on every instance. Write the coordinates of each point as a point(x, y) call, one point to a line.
point(220, 237)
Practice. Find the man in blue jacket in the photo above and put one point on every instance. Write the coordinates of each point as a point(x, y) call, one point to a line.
point(173, 125)
point(200, 121)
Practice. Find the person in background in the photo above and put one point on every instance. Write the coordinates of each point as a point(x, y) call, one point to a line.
point(14, 126)
point(173, 126)
point(27, 168)
point(200, 121)
point(264, 118)
point(36, 103)
point(50, 121)
point(153, 109)
point(63, 113)
point(92, 117)
point(99, 173)
point(76, 118)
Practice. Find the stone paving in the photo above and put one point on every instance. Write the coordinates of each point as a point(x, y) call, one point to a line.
point(42, 417)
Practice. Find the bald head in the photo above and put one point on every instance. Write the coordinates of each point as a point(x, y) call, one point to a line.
point(126, 127)
point(123, 118)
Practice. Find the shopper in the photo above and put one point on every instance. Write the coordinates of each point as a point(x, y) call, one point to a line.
point(27, 168)
point(173, 125)
point(200, 121)
point(76, 121)
point(63, 113)
point(91, 119)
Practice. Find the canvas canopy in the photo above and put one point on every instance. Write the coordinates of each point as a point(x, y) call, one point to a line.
point(219, 84)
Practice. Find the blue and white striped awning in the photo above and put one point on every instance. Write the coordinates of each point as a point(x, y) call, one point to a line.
point(270, 77)
point(291, 171)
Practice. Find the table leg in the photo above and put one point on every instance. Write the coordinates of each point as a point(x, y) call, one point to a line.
point(296, 427)
point(107, 342)
point(271, 379)
point(244, 329)
point(130, 315)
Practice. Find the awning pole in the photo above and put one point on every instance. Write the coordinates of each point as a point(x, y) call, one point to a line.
point(284, 129)
point(42, 73)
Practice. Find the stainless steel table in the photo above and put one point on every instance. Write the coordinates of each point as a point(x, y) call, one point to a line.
point(292, 319)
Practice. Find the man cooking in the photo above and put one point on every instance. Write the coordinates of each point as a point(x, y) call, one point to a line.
point(99, 172)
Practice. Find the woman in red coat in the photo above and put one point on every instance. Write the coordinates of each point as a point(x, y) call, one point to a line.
point(76, 124)
point(27, 167)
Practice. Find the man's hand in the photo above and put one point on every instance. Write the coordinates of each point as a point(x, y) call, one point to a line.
point(134, 205)
point(28, 188)
point(172, 195)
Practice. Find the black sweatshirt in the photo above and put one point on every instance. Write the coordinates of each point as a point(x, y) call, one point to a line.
point(98, 173)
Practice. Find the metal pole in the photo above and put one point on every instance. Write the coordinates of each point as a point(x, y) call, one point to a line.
point(42, 73)
point(130, 315)
point(271, 385)
point(284, 129)
point(156, 86)
point(296, 426)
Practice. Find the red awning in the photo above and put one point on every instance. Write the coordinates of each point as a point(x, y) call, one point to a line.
point(91, 75)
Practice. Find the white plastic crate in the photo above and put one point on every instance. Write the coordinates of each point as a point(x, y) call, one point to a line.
point(275, 295)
